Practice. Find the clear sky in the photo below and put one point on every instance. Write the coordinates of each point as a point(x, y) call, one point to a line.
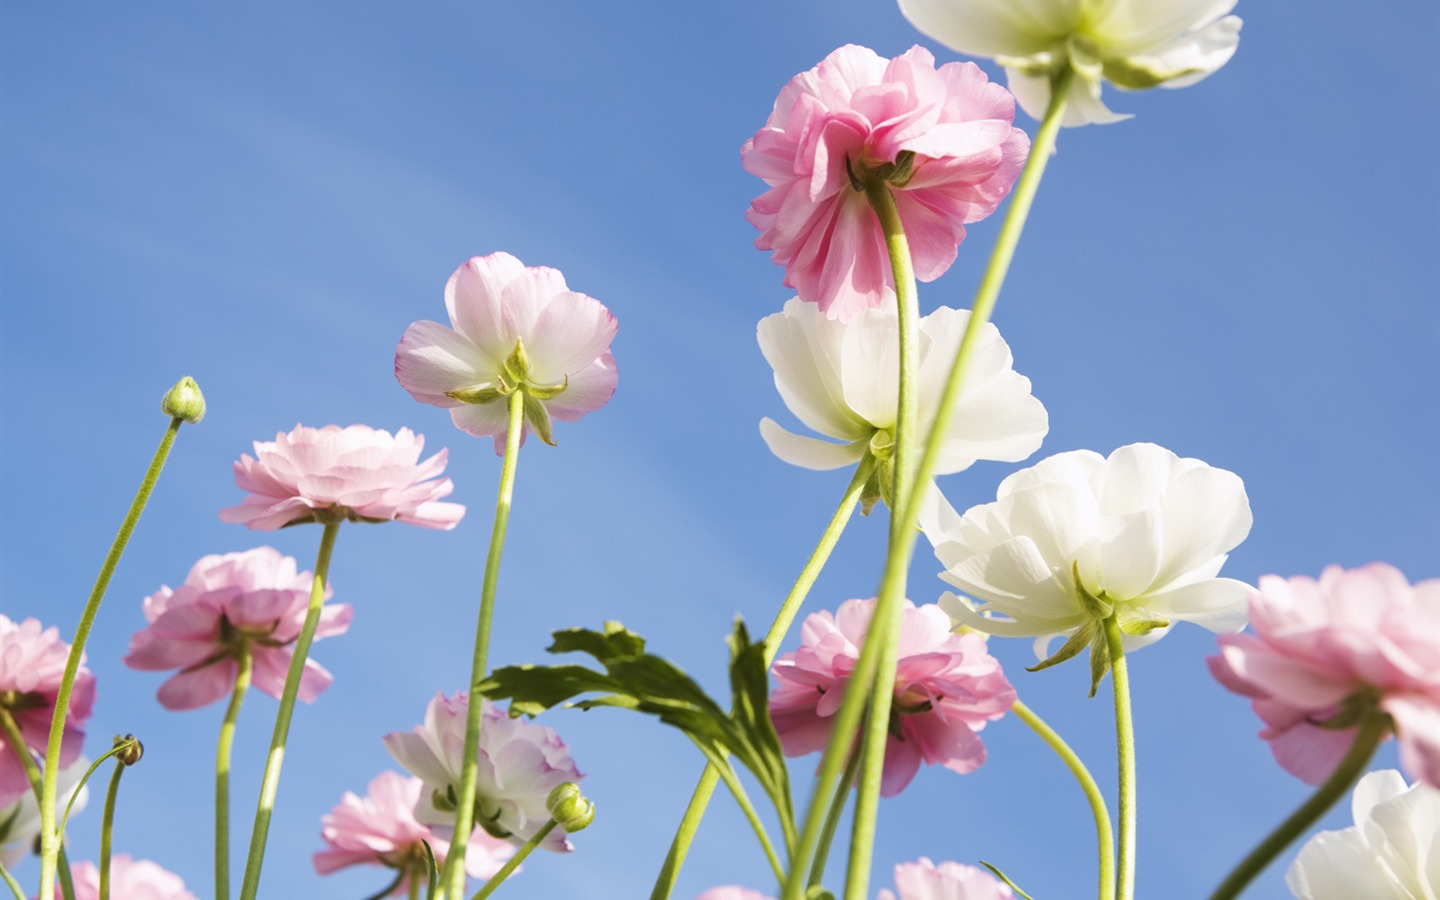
point(265, 196)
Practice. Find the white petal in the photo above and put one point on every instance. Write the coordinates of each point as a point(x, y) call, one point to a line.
point(993, 27)
point(1217, 604)
point(1206, 514)
point(473, 295)
point(431, 360)
point(870, 366)
point(808, 452)
point(1128, 26)
point(803, 347)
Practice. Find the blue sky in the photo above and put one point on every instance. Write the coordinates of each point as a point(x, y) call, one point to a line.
point(264, 198)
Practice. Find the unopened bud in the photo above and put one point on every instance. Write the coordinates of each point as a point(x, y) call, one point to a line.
point(131, 750)
point(184, 401)
point(569, 808)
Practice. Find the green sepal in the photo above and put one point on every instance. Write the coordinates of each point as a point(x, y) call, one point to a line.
point(547, 391)
point(1082, 638)
point(478, 396)
point(432, 870)
point(539, 418)
point(1095, 607)
point(517, 364)
point(1126, 74)
point(1139, 622)
point(1099, 661)
point(881, 483)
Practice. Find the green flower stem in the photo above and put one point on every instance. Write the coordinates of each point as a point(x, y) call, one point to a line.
point(737, 790)
point(832, 821)
point(700, 798)
point(417, 878)
point(244, 664)
point(94, 766)
point(11, 882)
point(270, 781)
point(453, 879)
point(16, 740)
point(1104, 837)
point(49, 835)
point(385, 891)
point(1373, 729)
point(107, 828)
point(1125, 751)
point(513, 862)
point(1003, 252)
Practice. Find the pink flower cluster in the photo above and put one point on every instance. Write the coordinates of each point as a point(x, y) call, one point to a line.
point(942, 139)
point(919, 880)
point(332, 474)
point(947, 687)
point(255, 600)
point(1325, 650)
point(32, 666)
point(130, 879)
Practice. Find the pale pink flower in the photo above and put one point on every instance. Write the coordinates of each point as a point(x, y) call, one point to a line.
point(942, 139)
point(130, 879)
point(947, 686)
point(519, 764)
point(923, 880)
point(381, 829)
point(1325, 650)
point(32, 665)
point(332, 474)
point(254, 599)
point(733, 892)
point(514, 327)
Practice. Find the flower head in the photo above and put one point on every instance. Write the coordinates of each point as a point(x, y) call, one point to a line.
point(1393, 850)
point(947, 686)
point(381, 829)
point(520, 763)
point(840, 380)
point(130, 879)
point(20, 820)
point(1326, 651)
point(514, 328)
point(332, 474)
point(252, 602)
point(32, 666)
point(942, 140)
point(923, 880)
point(733, 892)
point(1133, 44)
point(1078, 537)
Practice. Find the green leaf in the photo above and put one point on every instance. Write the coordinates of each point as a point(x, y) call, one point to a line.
point(750, 710)
point(533, 689)
point(615, 642)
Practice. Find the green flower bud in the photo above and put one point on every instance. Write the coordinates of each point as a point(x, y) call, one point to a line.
point(132, 752)
point(569, 808)
point(184, 401)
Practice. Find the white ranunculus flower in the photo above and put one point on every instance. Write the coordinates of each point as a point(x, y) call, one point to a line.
point(1133, 44)
point(20, 822)
point(1078, 536)
point(1391, 853)
point(841, 380)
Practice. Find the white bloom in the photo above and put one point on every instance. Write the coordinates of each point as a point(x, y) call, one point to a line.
point(519, 764)
point(20, 821)
point(1144, 531)
point(841, 380)
point(1391, 853)
point(1133, 44)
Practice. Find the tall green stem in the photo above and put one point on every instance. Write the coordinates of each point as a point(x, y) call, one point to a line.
point(453, 880)
point(244, 664)
point(700, 798)
point(1125, 752)
point(513, 862)
point(16, 739)
point(1373, 729)
point(49, 835)
point(270, 781)
point(107, 828)
point(832, 820)
point(1104, 837)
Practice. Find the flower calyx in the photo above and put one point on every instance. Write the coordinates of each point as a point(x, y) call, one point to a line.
point(1099, 609)
point(515, 376)
point(896, 174)
point(570, 809)
point(881, 483)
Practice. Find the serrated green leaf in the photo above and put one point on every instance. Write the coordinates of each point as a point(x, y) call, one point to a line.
point(614, 642)
point(533, 689)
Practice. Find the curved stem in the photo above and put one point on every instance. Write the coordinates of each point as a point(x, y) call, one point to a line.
point(11, 883)
point(270, 782)
point(49, 835)
point(1373, 729)
point(832, 821)
point(453, 879)
point(1104, 837)
point(512, 863)
point(700, 798)
point(1125, 752)
point(244, 665)
point(107, 828)
point(16, 739)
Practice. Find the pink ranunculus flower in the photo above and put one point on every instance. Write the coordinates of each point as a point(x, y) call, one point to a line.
point(947, 687)
point(130, 879)
point(254, 599)
point(942, 139)
point(332, 474)
point(733, 892)
point(32, 665)
point(519, 764)
point(514, 327)
point(381, 829)
point(1325, 650)
point(923, 880)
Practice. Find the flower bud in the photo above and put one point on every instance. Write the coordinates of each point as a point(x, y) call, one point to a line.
point(184, 401)
point(569, 807)
point(132, 749)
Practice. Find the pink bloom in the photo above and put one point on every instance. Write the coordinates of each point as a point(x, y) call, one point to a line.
point(1325, 650)
point(255, 599)
point(733, 892)
point(32, 665)
point(519, 764)
point(858, 116)
point(130, 879)
point(381, 829)
point(923, 880)
point(947, 686)
point(514, 327)
point(331, 474)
